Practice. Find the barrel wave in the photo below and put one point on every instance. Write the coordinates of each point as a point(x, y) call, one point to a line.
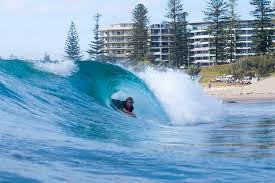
point(58, 125)
point(104, 81)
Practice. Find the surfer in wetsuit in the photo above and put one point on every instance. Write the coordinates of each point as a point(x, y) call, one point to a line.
point(128, 106)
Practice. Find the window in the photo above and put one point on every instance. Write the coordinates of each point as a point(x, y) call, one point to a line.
point(165, 50)
point(155, 50)
point(154, 32)
point(164, 31)
point(155, 44)
point(165, 57)
point(155, 38)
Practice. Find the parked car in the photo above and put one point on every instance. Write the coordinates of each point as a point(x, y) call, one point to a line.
point(219, 79)
point(229, 78)
point(246, 80)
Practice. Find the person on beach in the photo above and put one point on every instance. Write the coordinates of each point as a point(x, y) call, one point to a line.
point(210, 84)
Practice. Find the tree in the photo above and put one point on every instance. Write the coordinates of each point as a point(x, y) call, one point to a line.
point(72, 47)
point(273, 21)
point(232, 27)
point(97, 45)
point(263, 13)
point(184, 36)
point(47, 57)
point(216, 15)
point(13, 57)
point(253, 65)
point(180, 33)
point(193, 70)
point(139, 41)
point(108, 58)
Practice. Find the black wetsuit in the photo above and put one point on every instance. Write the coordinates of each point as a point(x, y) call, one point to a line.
point(117, 104)
point(122, 104)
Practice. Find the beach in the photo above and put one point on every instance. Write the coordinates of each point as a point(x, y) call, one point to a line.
point(261, 91)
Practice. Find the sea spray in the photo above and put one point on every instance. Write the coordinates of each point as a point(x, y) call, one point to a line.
point(182, 98)
point(60, 68)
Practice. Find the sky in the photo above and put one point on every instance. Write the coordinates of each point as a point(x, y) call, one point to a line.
point(29, 28)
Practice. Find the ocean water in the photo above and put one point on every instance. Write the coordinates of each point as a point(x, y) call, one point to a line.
point(58, 125)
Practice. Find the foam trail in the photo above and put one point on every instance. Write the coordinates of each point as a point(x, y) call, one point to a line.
point(182, 98)
point(60, 68)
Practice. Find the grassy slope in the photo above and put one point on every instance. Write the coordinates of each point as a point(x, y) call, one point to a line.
point(210, 73)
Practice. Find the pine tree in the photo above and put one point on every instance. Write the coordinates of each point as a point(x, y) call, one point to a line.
point(47, 57)
point(96, 50)
point(185, 34)
point(180, 34)
point(232, 33)
point(273, 21)
point(263, 13)
point(216, 15)
point(139, 41)
point(72, 48)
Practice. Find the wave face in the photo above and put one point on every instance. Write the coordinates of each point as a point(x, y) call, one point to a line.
point(167, 96)
point(58, 125)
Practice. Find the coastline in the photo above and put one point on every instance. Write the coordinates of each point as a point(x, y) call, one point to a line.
point(260, 92)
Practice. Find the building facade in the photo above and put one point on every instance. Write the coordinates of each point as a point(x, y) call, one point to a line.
point(200, 42)
point(159, 41)
point(117, 41)
point(118, 36)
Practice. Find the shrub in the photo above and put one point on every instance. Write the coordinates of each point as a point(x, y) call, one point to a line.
point(254, 65)
point(193, 70)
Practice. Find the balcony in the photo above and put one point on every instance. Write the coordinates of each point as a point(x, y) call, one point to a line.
point(120, 35)
point(119, 47)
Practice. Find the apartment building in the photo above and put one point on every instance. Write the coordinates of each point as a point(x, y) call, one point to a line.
point(159, 41)
point(118, 36)
point(116, 40)
point(200, 42)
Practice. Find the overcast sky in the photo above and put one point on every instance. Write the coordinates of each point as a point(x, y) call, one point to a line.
point(29, 28)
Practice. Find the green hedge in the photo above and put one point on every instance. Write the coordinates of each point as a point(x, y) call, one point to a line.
point(261, 66)
point(254, 65)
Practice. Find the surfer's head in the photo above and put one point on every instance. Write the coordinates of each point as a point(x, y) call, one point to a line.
point(129, 102)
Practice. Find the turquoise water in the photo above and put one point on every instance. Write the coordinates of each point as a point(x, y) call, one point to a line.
point(59, 126)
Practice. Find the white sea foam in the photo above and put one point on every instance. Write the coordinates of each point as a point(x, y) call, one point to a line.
point(60, 68)
point(182, 98)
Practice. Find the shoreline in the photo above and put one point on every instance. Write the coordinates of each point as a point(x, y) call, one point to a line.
point(260, 92)
point(264, 98)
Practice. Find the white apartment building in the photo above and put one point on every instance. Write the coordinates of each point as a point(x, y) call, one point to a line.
point(199, 44)
point(159, 41)
point(200, 41)
point(118, 36)
point(116, 40)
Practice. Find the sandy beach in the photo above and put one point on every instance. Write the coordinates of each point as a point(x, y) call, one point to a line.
point(262, 91)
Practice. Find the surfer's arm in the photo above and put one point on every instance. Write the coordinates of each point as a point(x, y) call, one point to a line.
point(127, 112)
